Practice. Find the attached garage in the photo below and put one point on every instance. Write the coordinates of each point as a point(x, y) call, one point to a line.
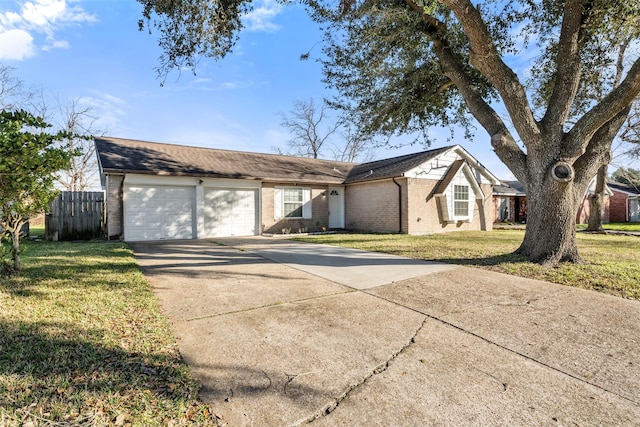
point(230, 212)
point(158, 212)
point(171, 208)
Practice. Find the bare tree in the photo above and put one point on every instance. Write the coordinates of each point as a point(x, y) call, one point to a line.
point(356, 145)
point(14, 94)
point(310, 127)
point(313, 128)
point(78, 120)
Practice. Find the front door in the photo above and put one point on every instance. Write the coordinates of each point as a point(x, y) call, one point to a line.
point(336, 207)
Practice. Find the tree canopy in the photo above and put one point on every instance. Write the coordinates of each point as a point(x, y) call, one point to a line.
point(539, 77)
point(629, 176)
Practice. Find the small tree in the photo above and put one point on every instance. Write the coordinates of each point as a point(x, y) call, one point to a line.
point(29, 159)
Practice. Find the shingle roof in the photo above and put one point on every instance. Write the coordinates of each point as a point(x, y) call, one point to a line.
point(117, 155)
point(132, 156)
point(392, 167)
point(509, 188)
point(623, 187)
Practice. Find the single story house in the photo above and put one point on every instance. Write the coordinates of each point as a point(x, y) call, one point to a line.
point(163, 191)
point(510, 202)
point(624, 202)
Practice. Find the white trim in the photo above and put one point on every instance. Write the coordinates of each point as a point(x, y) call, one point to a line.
point(278, 202)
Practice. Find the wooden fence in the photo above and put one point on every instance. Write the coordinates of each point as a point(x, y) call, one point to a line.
point(76, 215)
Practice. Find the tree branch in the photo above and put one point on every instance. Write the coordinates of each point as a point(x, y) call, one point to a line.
point(485, 57)
point(501, 139)
point(568, 72)
point(598, 151)
point(610, 106)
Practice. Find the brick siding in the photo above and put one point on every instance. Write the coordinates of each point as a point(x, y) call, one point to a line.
point(373, 206)
point(319, 211)
point(618, 206)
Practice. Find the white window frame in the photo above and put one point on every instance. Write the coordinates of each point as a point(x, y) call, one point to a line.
point(279, 202)
point(456, 201)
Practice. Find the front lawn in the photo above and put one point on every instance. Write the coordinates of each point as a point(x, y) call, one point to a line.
point(612, 262)
point(618, 226)
point(82, 342)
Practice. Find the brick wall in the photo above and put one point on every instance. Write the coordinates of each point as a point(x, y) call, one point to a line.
point(618, 206)
point(319, 211)
point(373, 206)
point(114, 206)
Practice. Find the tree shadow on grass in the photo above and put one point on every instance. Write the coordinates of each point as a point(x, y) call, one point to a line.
point(63, 369)
point(491, 261)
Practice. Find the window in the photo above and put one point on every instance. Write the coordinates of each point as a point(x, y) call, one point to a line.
point(292, 202)
point(461, 200)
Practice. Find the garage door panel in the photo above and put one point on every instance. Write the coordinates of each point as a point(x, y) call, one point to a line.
point(230, 212)
point(156, 212)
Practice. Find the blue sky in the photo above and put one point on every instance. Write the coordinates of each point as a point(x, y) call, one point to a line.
point(92, 50)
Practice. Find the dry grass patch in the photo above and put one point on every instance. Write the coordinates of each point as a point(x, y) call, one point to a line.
point(612, 262)
point(82, 342)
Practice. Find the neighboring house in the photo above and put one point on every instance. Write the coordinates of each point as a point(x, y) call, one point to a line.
point(510, 202)
point(624, 202)
point(163, 191)
point(620, 203)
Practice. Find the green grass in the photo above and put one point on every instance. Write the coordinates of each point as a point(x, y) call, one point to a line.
point(82, 342)
point(612, 262)
point(617, 226)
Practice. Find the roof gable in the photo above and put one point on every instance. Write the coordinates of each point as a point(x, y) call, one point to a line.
point(393, 167)
point(456, 167)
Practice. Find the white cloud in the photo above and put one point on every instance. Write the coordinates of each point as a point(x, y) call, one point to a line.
point(34, 19)
point(57, 44)
point(109, 110)
point(261, 17)
point(16, 45)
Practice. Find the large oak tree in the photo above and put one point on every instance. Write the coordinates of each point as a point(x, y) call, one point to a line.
point(407, 65)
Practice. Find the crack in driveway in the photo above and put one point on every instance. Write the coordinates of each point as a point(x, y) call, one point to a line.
point(330, 407)
point(275, 304)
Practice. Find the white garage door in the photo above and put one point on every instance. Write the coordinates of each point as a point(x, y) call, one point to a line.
point(157, 213)
point(230, 212)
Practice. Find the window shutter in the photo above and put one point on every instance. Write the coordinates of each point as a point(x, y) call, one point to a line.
point(277, 203)
point(306, 203)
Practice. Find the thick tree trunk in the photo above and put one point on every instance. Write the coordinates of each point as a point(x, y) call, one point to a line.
point(550, 236)
point(596, 201)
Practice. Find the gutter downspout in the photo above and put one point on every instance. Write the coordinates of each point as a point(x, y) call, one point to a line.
point(399, 204)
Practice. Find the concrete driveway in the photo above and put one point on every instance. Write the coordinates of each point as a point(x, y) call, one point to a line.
point(281, 333)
